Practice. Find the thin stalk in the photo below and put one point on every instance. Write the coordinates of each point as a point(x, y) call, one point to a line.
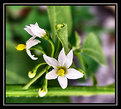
point(35, 78)
point(38, 50)
point(52, 45)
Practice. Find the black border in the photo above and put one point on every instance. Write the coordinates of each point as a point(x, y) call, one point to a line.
point(59, 104)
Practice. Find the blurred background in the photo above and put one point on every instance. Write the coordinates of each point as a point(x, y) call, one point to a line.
point(85, 19)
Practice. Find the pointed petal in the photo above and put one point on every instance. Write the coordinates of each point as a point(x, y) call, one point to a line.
point(37, 31)
point(61, 57)
point(51, 61)
point(73, 74)
point(69, 59)
point(31, 56)
point(31, 42)
point(51, 75)
point(28, 30)
point(63, 81)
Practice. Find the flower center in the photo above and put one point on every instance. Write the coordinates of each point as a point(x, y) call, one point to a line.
point(61, 71)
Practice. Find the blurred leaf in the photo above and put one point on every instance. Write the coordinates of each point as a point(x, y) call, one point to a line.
point(59, 15)
point(16, 8)
point(77, 41)
point(38, 100)
point(17, 91)
point(92, 48)
point(8, 31)
point(18, 64)
point(63, 37)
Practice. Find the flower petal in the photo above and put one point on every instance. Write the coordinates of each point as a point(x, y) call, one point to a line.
point(63, 81)
point(69, 59)
point(51, 75)
point(61, 57)
point(51, 61)
point(28, 30)
point(31, 42)
point(36, 30)
point(31, 56)
point(73, 74)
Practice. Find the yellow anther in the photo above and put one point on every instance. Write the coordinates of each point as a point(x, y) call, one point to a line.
point(61, 72)
point(31, 75)
point(20, 47)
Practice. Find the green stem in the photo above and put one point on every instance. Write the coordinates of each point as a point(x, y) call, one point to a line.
point(48, 38)
point(17, 91)
point(38, 50)
point(35, 78)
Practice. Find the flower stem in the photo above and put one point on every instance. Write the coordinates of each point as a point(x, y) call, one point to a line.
point(38, 50)
point(52, 44)
point(35, 78)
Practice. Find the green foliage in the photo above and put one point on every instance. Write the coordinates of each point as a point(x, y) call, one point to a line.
point(18, 64)
point(59, 15)
point(63, 37)
point(92, 48)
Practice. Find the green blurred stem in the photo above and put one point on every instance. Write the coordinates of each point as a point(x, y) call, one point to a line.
point(35, 78)
point(17, 91)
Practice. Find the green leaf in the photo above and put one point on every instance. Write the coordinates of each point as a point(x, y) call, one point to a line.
point(17, 91)
point(63, 37)
point(8, 31)
point(18, 64)
point(77, 41)
point(92, 48)
point(59, 15)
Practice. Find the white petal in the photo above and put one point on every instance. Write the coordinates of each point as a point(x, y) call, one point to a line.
point(51, 61)
point(37, 31)
point(63, 81)
point(61, 57)
point(31, 56)
point(73, 74)
point(28, 30)
point(51, 75)
point(31, 42)
point(69, 59)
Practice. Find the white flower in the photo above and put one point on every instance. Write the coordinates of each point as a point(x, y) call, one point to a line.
point(42, 92)
point(30, 43)
point(35, 30)
point(61, 68)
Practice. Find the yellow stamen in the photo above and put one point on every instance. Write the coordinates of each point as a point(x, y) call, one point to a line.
point(61, 72)
point(20, 47)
